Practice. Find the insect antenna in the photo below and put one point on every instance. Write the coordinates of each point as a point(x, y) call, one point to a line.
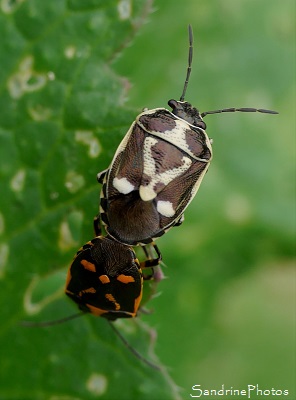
point(246, 109)
point(50, 323)
point(42, 324)
point(133, 350)
point(190, 56)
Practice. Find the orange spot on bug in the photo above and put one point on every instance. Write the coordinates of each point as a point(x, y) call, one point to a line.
point(104, 279)
point(95, 310)
point(89, 290)
point(139, 298)
point(111, 298)
point(88, 265)
point(137, 302)
point(125, 278)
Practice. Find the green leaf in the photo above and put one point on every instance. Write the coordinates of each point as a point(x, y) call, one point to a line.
point(61, 119)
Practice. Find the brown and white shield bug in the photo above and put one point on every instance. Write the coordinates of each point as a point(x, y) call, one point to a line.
point(157, 169)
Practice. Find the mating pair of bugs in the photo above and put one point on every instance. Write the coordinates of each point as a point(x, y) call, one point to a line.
point(154, 175)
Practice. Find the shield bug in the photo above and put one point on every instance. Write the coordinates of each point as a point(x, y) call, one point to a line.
point(157, 169)
point(106, 279)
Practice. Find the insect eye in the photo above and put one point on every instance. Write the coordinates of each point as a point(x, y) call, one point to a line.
point(201, 124)
point(173, 103)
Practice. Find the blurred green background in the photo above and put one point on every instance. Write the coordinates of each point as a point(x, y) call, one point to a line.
point(226, 312)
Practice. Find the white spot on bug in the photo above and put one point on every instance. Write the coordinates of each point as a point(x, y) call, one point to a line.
point(88, 139)
point(18, 181)
point(124, 8)
point(149, 162)
point(74, 182)
point(123, 185)
point(25, 79)
point(68, 228)
point(165, 208)
point(70, 52)
point(97, 384)
point(2, 224)
point(32, 307)
point(4, 254)
point(148, 192)
point(9, 6)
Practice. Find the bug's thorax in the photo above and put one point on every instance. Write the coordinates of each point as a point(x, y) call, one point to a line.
point(182, 128)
